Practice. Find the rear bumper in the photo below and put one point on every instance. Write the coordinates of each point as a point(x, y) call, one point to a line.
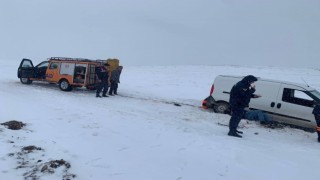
point(208, 103)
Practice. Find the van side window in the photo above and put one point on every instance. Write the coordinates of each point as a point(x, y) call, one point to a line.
point(53, 66)
point(297, 97)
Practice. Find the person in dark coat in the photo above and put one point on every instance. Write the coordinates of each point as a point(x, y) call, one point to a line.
point(115, 79)
point(240, 96)
point(316, 112)
point(103, 76)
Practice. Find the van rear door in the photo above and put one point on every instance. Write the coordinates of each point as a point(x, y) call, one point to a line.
point(269, 93)
point(26, 69)
point(294, 106)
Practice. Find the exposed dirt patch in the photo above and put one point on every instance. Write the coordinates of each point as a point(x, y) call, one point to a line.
point(29, 149)
point(14, 125)
point(274, 125)
point(50, 168)
point(30, 159)
point(22, 157)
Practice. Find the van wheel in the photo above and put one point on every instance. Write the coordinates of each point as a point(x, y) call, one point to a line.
point(221, 107)
point(25, 81)
point(64, 85)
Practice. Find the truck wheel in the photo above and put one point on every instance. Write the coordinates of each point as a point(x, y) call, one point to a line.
point(221, 107)
point(64, 85)
point(25, 81)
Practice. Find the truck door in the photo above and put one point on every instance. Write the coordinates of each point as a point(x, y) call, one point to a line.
point(92, 74)
point(40, 70)
point(26, 69)
point(80, 72)
point(294, 106)
point(269, 93)
point(52, 73)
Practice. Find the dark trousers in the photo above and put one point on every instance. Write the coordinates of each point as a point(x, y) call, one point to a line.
point(236, 116)
point(317, 117)
point(104, 86)
point(113, 87)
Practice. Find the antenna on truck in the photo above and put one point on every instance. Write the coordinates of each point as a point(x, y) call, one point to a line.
point(305, 82)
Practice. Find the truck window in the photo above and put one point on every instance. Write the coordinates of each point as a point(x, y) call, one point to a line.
point(297, 97)
point(53, 66)
point(42, 65)
point(67, 68)
point(26, 64)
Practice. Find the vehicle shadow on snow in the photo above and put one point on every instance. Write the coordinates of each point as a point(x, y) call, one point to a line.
point(52, 86)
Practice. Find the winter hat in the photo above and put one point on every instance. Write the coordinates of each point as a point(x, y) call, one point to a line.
point(249, 79)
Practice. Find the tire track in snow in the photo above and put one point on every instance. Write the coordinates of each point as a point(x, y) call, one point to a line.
point(159, 101)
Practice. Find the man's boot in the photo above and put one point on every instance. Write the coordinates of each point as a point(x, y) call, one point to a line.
point(97, 95)
point(240, 132)
point(234, 133)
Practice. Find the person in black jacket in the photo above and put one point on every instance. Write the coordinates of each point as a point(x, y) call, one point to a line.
point(103, 79)
point(316, 112)
point(240, 96)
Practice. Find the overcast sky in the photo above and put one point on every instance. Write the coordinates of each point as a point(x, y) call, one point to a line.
point(164, 32)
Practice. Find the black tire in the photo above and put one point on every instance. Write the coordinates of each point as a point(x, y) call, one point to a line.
point(25, 81)
point(221, 107)
point(64, 85)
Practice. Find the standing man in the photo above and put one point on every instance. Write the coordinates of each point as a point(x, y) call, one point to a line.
point(316, 112)
point(103, 78)
point(240, 96)
point(115, 79)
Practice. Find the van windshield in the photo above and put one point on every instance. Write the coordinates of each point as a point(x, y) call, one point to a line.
point(316, 94)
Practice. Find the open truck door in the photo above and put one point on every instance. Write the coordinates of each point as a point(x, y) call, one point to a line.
point(91, 80)
point(26, 71)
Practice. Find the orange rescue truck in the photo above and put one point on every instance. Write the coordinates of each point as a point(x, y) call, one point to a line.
point(67, 72)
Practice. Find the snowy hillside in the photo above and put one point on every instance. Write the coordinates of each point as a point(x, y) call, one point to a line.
point(142, 135)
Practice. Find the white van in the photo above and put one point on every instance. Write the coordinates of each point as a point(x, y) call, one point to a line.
point(285, 102)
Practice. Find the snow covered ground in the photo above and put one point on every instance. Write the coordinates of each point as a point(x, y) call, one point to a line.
point(142, 135)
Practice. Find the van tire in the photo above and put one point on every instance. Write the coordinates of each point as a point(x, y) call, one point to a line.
point(221, 107)
point(25, 81)
point(64, 85)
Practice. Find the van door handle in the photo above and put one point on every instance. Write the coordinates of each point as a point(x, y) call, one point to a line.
point(272, 104)
point(279, 105)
